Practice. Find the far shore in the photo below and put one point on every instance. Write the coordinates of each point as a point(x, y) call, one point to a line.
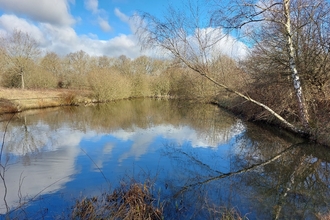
point(17, 100)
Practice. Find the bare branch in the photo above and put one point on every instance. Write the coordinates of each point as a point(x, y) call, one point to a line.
point(248, 169)
point(193, 50)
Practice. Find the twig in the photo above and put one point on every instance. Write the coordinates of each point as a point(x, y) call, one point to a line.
point(105, 178)
point(224, 175)
point(38, 194)
point(3, 166)
point(3, 138)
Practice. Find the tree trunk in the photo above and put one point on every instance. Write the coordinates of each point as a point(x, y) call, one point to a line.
point(303, 111)
point(22, 79)
point(280, 118)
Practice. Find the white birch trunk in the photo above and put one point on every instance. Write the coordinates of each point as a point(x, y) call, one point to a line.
point(304, 117)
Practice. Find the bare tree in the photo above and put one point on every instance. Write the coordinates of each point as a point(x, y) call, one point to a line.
point(77, 65)
point(52, 63)
point(51, 67)
point(105, 62)
point(19, 50)
point(78, 62)
point(123, 64)
point(299, 43)
point(189, 36)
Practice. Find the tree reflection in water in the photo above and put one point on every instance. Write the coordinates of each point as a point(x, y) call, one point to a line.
point(202, 160)
point(291, 184)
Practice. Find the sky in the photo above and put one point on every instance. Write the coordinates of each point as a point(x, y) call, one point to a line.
point(98, 27)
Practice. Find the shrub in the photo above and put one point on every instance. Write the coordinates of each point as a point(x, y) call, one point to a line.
point(140, 85)
point(109, 85)
point(160, 85)
point(7, 106)
point(68, 98)
point(38, 79)
point(189, 85)
point(10, 79)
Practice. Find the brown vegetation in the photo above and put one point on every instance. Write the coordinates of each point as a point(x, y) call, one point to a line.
point(16, 100)
point(7, 106)
point(127, 202)
point(264, 78)
point(136, 201)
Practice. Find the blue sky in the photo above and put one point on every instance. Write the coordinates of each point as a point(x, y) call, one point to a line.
point(98, 27)
point(111, 11)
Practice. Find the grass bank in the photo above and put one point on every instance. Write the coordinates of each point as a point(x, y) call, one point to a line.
point(17, 100)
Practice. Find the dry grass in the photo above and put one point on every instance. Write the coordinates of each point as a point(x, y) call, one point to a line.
point(14, 100)
point(224, 213)
point(132, 202)
point(135, 201)
point(19, 94)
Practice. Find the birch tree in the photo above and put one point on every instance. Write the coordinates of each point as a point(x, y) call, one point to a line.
point(190, 36)
point(302, 33)
point(303, 110)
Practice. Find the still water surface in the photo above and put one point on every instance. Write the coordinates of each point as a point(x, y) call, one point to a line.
point(199, 158)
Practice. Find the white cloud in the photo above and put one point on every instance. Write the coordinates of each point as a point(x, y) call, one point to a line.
point(64, 39)
point(43, 11)
point(133, 21)
point(92, 5)
point(52, 171)
point(216, 43)
point(143, 138)
point(9, 23)
point(121, 15)
point(102, 20)
point(105, 26)
point(122, 45)
point(227, 45)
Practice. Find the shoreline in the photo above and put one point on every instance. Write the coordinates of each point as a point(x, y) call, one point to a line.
point(17, 100)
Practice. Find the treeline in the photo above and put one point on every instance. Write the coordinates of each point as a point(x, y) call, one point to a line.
point(109, 78)
point(265, 75)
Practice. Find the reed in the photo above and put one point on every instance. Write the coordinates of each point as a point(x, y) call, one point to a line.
point(127, 202)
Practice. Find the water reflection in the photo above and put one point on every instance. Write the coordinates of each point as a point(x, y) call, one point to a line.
point(203, 159)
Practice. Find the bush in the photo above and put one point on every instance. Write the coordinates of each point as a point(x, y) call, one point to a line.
point(160, 85)
point(190, 85)
point(140, 85)
point(11, 79)
point(68, 98)
point(109, 85)
point(38, 79)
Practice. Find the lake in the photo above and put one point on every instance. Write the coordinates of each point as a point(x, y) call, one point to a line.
point(199, 160)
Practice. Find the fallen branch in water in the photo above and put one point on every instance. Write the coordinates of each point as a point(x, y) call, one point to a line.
point(224, 175)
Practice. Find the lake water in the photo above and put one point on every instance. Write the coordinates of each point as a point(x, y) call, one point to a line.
point(199, 159)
